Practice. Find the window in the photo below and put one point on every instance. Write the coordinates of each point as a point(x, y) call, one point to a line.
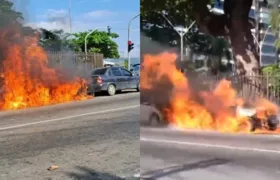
point(268, 49)
point(136, 68)
point(269, 38)
point(125, 72)
point(267, 60)
point(116, 72)
point(110, 72)
point(100, 71)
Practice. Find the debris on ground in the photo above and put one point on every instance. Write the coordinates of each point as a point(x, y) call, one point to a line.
point(52, 168)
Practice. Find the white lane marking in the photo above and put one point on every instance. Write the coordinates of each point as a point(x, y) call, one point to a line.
point(210, 145)
point(205, 132)
point(68, 117)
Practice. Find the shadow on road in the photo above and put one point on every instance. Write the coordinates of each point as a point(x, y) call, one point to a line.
point(121, 92)
point(89, 174)
point(153, 175)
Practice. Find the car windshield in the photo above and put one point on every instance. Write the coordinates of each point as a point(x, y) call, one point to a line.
point(100, 71)
point(136, 68)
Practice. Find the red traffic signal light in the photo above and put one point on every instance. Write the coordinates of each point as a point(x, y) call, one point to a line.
point(130, 46)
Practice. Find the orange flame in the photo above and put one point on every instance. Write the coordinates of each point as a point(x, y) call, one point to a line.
point(201, 110)
point(26, 79)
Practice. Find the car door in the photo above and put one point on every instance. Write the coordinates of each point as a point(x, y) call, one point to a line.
point(129, 79)
point(119, 78)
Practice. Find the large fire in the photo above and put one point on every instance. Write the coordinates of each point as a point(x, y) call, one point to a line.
point(26, 79)
point(209, 110)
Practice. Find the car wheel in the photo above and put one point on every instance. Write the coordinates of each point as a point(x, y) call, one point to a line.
point(111, 90)
point(154, 119)
point(272, 123)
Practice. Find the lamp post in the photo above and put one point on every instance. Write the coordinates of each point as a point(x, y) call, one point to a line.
point(128, 39)
point(109, 31)
point(181, 32)
point(260, 44)
point(108, 27)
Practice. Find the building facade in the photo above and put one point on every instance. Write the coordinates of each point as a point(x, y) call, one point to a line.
point(260, 14)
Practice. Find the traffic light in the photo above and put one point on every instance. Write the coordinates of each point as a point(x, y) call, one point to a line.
point(130, 46)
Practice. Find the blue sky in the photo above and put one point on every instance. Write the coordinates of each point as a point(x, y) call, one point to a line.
point(86, 14)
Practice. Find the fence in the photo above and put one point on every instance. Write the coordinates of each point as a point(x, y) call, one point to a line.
point(79, 63)
point(249, 87)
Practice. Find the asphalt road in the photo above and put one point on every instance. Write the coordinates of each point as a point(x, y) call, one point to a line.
point(189, 154)
point(92, 139)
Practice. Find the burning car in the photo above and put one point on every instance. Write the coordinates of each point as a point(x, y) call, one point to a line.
point(259, 118)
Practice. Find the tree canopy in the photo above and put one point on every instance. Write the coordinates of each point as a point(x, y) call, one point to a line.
point(180, 13)
point(8, 16)
point(97, 42)
point(233, 25)
point(58, 40)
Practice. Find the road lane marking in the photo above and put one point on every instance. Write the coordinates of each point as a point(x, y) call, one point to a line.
point(68, 117)
point(210, 132)
point(210, 145)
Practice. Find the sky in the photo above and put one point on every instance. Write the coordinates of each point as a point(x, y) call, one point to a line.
point(86, 15)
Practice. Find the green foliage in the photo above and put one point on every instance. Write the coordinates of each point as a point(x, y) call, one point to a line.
point(271, 70)
point(179, 11)
point(97, 42)
point(126, 63)
point(219, 45)
point(273, 74)
point(7, 15)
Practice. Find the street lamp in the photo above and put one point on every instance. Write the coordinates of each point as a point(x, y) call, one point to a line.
point(128, 39)
point(108, 27)
point(260, 45)
point(181, 32)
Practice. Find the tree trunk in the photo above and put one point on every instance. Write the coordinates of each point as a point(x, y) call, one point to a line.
point(234, 25)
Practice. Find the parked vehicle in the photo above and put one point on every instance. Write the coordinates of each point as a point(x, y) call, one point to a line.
point(136, 69)
point(270, 123)
point(150, 115)
point(112, 80)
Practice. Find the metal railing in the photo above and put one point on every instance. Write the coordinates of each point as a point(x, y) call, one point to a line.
point(78, 63)
point(249, 87)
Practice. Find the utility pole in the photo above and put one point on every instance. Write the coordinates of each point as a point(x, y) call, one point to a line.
point(128, 39)
point(70, 15)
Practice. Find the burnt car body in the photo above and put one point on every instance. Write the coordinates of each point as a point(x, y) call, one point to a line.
point(112, 80)
point(271, 122)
